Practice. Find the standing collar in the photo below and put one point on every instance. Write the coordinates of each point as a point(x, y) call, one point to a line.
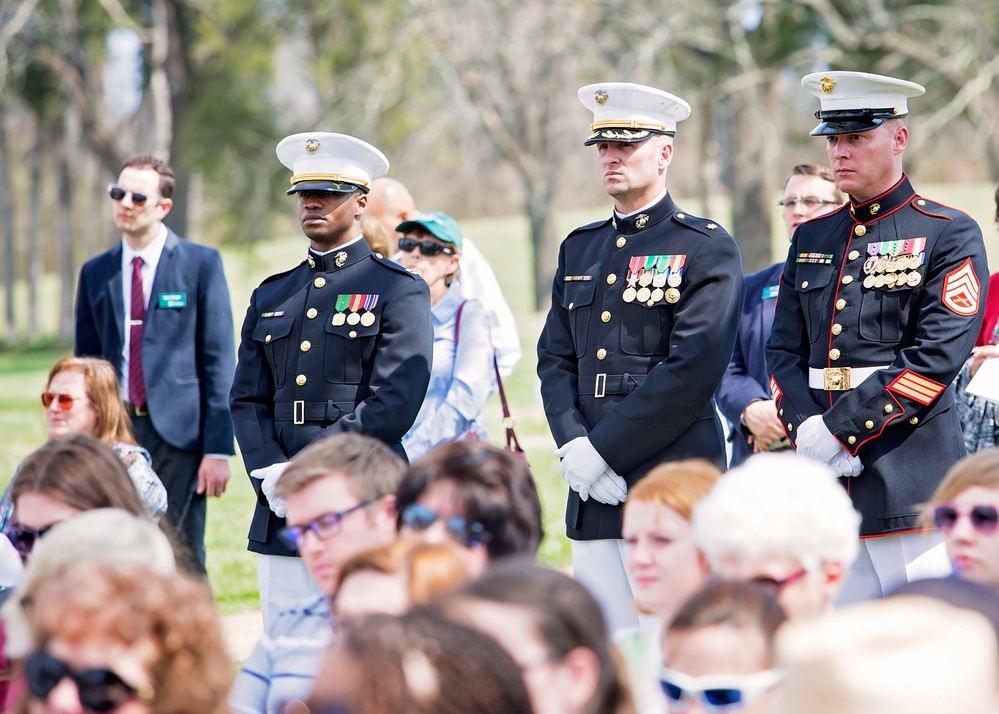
point(884, 204)
point(649, 216)
point(339, 257)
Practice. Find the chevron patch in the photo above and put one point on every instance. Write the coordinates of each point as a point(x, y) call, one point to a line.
point(774, 389)
point(915, 387)
point(961, 290)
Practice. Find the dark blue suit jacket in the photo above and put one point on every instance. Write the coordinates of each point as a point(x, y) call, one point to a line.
point(188, 353)
point(747, 377)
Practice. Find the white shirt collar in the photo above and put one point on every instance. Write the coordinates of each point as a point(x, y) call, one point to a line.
point(150, 254)
point(647, 206)
point(340, 247)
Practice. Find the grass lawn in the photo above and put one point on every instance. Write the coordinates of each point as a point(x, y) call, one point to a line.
point(504, 241)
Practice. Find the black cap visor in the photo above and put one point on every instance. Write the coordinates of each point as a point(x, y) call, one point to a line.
point(623, 135)
point(853, 121)
point(325, 186)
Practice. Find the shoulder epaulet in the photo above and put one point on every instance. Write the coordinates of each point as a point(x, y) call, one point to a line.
point(701, 225)
point(590, 226)
point(276, 276)
point(392, 265)
point(935, 208)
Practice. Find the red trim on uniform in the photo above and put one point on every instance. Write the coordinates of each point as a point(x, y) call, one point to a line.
point(869, 201)
point(923, 210)
point(885, 535)
point(899, 412)
point(961, 290)
point(774, 389)
point(916, 387)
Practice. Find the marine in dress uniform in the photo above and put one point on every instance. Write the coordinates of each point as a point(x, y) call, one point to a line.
point(340, 343)
point(880, 303)
point(645, 308)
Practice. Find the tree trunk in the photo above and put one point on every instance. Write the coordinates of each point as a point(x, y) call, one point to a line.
point(65, 239)
point(35, 250)
point(544, 241)
point(7, 228)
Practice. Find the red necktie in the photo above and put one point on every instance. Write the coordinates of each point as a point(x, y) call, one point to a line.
point(136, 382)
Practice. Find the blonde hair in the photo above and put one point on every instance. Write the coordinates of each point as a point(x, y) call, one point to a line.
point(102, 389)
point(678, 485)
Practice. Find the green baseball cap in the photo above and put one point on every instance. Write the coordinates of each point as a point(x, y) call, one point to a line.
point(440, 225)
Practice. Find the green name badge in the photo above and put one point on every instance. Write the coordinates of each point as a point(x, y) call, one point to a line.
point(770, 291)
point(172, 300)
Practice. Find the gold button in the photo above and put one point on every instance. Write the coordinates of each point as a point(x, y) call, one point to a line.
point(621, 241)
point(847, 279)
point(352, 334)
point(611, 279)
point(571, 305)
point(920, 202)
point(851, 440)
point(267, 339)
point(790, 427)
point(914, 421)
point(869, 424)
point(605, 316)
point(837, 328)
point(859, 230)
point(306, 345)
point(840, 304)
point(781, 412)
point(311, 313)
point(680, 216)
point(319, 282)
point(834, 354)
point(854, 254)
point(601, 353)
point(804, 284)
point(300, 380)
point(889, 409)
point(650, 303)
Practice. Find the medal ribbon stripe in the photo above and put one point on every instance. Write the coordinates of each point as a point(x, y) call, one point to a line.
point(355, 302)
point(916, 387)
point(961, 290)
point(341, 302)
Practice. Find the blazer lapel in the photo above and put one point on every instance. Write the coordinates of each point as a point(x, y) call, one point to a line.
point(114, 288)
point(164, 269)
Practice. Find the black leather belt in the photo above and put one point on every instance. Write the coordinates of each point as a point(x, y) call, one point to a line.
point(136, 411)
point(300, 411)
point(600, 385)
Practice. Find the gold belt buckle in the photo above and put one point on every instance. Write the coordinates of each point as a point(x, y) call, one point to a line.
point(836, 379)
point(299, 406)
point(600, 386)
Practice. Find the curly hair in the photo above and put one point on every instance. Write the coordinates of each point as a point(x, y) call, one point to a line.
point(192, 671)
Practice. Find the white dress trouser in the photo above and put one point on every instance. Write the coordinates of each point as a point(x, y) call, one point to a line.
point(598, 565)
point(886, 562)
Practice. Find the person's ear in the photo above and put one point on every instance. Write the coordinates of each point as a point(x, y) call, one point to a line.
point(362, 202)
point(581, 669)
point(164, 207)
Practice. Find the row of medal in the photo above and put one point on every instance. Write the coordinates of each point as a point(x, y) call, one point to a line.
point(654, 278)
point(355, 303)
point(894, 264)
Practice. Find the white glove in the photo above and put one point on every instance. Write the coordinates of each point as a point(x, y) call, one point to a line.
point(845, 465)
point(270, 475)
point(581, 465)
point(609, 488)
point(816, 441)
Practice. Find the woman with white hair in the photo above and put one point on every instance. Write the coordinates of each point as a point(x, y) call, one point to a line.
point(783, 521)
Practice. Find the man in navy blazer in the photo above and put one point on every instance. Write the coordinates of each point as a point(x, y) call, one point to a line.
point(744, 393)
point(172, 344)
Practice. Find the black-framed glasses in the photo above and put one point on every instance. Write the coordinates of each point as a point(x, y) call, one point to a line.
point(65, 401)
point(717, 693)
point(427, 247)
point(774, 585)
point(99, 690)
point(325, 527)
point(24, 539)
point(117, 193)
point(807, 202)
point(984, 518)
point(418, 517)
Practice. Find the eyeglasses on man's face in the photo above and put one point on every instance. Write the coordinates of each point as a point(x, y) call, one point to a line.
point(807, 202)
point(325, 526)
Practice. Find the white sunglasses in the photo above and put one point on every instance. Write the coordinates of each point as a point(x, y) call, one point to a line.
point(717, 692)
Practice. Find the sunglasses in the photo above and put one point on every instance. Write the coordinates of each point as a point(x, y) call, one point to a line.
point(23, 539)
point(117, 193)
point(984, 519)
point(418, 517)
point(325, 527)
point(427, 247)
point(807, 202)
point(99, 690)
point(65, 401)
point(774, 586)
point(717, 693)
